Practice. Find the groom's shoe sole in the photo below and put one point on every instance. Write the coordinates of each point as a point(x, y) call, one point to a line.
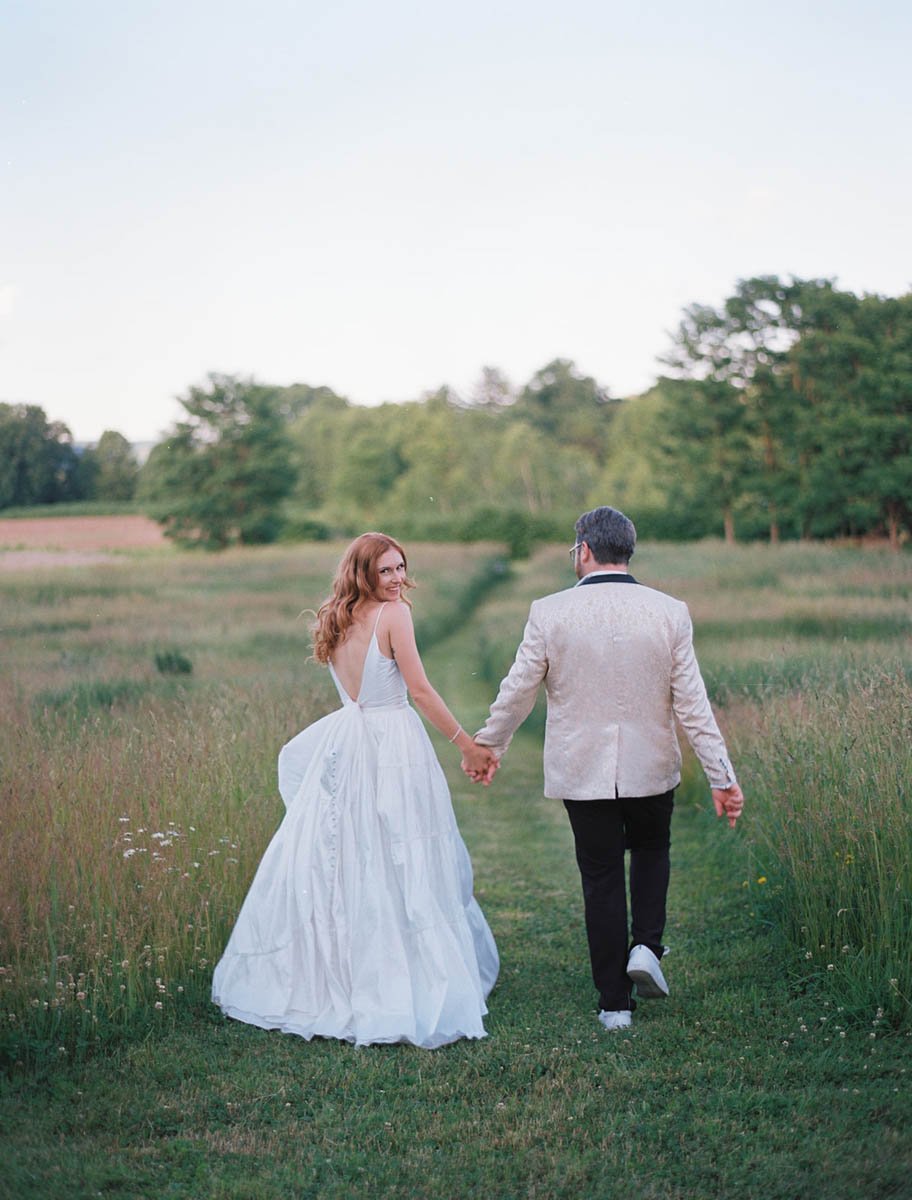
point(644, 970)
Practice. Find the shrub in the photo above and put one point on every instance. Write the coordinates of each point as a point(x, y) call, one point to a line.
point(173, 662)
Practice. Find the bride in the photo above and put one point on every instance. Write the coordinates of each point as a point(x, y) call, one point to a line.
point(360, 923)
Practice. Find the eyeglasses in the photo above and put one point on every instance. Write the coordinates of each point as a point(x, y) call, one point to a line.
point(573, 549)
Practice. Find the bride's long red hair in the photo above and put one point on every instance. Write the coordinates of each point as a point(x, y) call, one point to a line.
point(355, 584)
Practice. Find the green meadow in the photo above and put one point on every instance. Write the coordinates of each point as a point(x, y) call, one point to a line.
point(142, 705)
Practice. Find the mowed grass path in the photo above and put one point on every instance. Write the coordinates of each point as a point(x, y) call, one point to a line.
point(733, 1087)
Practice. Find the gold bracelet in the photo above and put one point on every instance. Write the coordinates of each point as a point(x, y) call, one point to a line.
point(457, 733)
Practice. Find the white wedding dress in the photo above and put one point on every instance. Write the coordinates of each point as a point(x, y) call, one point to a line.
point(360, 923)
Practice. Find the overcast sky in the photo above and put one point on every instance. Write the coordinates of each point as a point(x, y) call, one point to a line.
point(385, 197)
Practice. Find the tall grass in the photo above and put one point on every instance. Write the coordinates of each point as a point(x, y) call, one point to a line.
point(831, 796)
point(127, 840)
point(135, 809)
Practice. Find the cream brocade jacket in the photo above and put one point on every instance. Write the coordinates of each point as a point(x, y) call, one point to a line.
point(618, 665)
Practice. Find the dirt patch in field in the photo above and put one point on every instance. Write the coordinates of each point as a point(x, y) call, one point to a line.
point(26, 560)
point(28, 542)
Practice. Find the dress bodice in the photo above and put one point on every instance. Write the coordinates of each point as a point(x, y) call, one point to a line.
point(382, 685)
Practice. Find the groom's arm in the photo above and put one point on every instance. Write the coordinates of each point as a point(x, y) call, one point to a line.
point(518, 690)
point(693, 710)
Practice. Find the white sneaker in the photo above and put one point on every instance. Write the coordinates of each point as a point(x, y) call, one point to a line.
point(643, 968)
point(616, 1020)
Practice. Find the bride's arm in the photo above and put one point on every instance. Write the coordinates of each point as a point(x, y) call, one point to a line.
point(427, 700)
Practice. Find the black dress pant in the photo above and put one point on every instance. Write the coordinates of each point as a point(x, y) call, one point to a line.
point(603, 830)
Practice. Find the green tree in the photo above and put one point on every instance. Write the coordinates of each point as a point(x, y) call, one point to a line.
point(705, 432)
point(225, 470)
point(746, 401)
point(113, 467)
point(651, 474)
point(371, 460)
point(318, 435)
point(38, 464)
point(855, 372)
point(569, 408)
point(493, 391)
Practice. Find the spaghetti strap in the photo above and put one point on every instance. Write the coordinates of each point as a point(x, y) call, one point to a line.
point(379, 615)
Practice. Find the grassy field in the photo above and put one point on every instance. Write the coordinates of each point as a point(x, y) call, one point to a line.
point(138, 796)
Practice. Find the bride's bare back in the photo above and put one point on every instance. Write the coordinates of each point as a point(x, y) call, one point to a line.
point(349, 656)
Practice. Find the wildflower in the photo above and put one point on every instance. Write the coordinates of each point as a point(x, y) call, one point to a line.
point(158, 1004)
point(831, 967)
point(807, 954)
point(80, 995)
point(129, 853)
point(123, 819)
point(761, 879)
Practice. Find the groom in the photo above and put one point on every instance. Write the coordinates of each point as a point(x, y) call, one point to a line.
point(618, 665)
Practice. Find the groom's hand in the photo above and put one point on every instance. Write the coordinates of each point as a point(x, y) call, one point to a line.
point(479, 763)
point(729, 802)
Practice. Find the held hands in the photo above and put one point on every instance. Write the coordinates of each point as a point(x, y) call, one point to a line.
point(729, 803)
point(480, 763)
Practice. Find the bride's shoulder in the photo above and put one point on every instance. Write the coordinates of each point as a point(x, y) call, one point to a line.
point(398, 614)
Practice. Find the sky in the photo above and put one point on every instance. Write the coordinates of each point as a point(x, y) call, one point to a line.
point(386, 197)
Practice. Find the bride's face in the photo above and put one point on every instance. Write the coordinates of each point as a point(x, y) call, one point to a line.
point(390, 574)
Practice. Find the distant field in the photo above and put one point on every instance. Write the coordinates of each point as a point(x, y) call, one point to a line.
point(70, 541)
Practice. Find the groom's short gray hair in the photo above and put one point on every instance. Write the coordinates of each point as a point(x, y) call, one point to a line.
point(608, 533)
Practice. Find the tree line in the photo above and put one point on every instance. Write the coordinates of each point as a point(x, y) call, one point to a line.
point(786, 412)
